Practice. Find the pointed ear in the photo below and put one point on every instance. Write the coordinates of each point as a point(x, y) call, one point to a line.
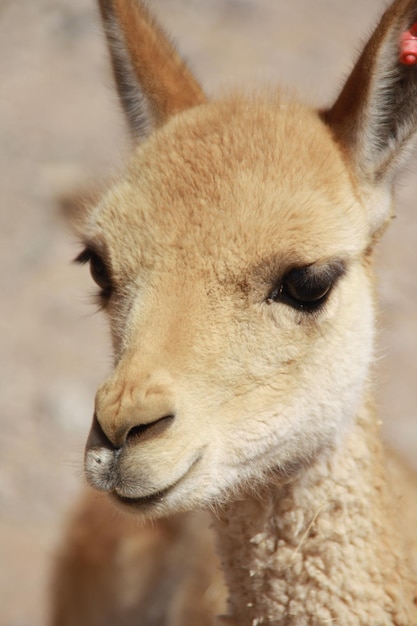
point(375, 116)
point(152, 81)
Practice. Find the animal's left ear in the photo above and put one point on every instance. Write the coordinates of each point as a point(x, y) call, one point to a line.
point(375, 116)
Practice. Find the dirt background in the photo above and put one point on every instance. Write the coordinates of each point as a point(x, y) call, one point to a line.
point(60, 127)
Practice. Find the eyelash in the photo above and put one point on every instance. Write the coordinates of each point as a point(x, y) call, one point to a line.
point(99, 272)
point(305, 290)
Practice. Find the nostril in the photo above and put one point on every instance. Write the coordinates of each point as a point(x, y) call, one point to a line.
point(97, 437)
point(146, 431)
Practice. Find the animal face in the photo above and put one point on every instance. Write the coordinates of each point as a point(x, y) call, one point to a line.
point(234, 277)
point(233, 260)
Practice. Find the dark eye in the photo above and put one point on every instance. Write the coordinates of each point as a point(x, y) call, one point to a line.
point(98, 271)
point(307, 288)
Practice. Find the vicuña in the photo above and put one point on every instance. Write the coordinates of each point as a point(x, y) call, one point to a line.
point(234, 262)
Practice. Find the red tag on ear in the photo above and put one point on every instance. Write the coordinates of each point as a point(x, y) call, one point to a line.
point(408, 46)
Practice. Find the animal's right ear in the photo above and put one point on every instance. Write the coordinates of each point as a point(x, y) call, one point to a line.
point(152, 81)
point(375, 117)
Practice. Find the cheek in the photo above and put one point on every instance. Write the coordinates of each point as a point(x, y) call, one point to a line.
point(307, 389)
point(332, 378)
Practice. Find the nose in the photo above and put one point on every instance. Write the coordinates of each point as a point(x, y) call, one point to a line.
point(131, 411)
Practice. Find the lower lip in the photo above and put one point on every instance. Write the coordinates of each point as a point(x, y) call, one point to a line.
point(154, 498)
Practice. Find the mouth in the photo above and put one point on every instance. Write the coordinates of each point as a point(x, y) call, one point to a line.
point(157, 497)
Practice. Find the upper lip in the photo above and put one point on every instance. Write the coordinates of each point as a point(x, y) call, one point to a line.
point(156, 495)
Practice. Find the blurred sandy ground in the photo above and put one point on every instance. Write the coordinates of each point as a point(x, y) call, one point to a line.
point(60, 127)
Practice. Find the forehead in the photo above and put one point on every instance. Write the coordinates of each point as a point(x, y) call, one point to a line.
point(240, 176)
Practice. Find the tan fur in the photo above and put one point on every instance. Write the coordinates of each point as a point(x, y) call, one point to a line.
point(227, 395)
point(150, 61)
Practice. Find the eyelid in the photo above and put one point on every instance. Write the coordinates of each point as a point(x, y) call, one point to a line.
point(84, 257)
point(332, 270)
point(91, 249)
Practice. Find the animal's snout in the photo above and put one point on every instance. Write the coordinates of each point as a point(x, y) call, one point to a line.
point(128, 414)
point(145, 431)
point(97, 438)
point(100, 459)
point(131, 411)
